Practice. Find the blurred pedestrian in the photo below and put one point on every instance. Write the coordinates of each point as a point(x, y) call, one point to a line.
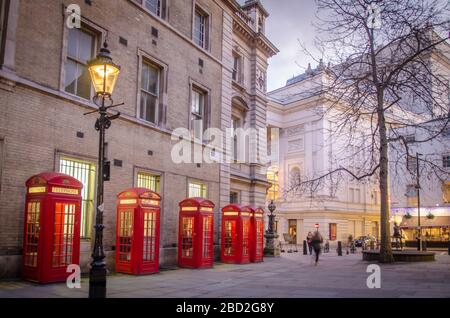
point(316, 241)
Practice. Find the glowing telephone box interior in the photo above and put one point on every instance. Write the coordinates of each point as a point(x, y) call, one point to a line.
point(196, 229)
point(51, 227)
point(236, 234)
point(138, 231)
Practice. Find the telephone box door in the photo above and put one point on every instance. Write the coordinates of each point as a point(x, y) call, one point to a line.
point(125, 235)
point(32, 239)
point(187, 232)
point(259, 239)
point(245, 239)
point(66, 227)
point(207, 244)
point(230, 238)
point(150, 247)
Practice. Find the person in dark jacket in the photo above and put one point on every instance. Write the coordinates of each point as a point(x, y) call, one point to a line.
point(316, 241)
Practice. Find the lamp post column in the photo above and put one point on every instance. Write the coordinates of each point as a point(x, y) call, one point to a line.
point(97, 274)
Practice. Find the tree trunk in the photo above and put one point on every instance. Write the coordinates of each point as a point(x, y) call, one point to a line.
point(385, 246)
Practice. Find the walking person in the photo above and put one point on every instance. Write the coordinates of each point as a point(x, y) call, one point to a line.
point(316, 241)
point(308, 241)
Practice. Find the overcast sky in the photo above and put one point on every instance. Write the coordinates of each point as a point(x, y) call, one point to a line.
point(289, 21)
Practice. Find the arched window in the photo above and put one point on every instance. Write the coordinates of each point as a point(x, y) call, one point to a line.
point(294, 178)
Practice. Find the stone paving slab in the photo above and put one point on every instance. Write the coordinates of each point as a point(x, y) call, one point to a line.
point(291, 276)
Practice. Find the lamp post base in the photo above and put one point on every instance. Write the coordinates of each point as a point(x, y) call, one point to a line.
point(271, 249)
point(97, 282)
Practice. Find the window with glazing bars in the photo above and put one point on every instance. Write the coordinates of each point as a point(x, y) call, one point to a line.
point(148, 181)
point(63, 235)
point(80, 49)
point(85, 173)
point(149, 104)
point(149, 236)
point(32, 233)
point(207, 237)
point(197, 190)
point(154, 6)
point(201, 28)
point(125, 235)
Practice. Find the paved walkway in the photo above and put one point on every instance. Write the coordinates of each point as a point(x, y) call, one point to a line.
point(292, 275)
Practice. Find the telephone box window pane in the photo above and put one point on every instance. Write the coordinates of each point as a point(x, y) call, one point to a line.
point(85, 173)
point(230, 231)
point(32, 233)
point(207, 236)
point(149, 237)
point(63, 235)
point(245, 236)
point(259, 237)
point(187, 243)
point(125, 235)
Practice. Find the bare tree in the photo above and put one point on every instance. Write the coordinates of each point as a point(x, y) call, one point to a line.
point(388, 74)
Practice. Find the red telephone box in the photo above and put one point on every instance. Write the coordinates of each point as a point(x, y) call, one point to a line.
point(137, 231)
point(236, 236)
point(51, 239)
point(196, 229)
point(257, 236)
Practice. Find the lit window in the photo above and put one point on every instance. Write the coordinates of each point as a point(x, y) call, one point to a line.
point(201, 28)
point(198, 113)
point(196, 190)
point(85, 173)
point(80, 49)
point(149, 104)
point(272, 178)
point(333, 231)
point(148, 181)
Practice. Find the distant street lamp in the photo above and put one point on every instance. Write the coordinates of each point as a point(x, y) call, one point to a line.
point(104, 74)
point(271, 235)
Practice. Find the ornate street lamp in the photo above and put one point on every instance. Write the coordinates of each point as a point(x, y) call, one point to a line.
point(104, 74)
point(271, 249)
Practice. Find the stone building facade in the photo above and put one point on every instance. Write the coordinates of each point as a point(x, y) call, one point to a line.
point(177, 65)
point(307, 148)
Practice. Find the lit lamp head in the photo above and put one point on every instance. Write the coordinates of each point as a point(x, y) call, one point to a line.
point(104, 72)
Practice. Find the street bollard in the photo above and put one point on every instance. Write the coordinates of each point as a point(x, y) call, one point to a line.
point(339, 248)
point(305, 249)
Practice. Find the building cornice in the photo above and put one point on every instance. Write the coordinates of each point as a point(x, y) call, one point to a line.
point(257, 40)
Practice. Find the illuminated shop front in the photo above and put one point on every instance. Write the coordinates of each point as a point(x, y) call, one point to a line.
point(434, 223)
